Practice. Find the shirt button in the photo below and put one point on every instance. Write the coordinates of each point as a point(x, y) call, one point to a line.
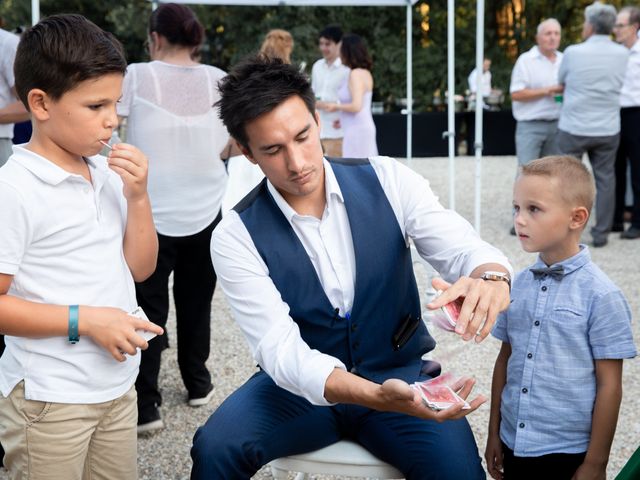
point(544, 288)
point(529, 355)
point(524, 390)
point(536, 323)
point(521, 425)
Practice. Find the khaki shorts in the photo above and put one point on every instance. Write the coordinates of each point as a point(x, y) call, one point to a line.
point(332, 147)
point(44, 440)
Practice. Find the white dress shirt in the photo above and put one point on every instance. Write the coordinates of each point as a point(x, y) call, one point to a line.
point(630, 93)
point(326, 79)
point(534, 70)
point(442, 237)
point(485, 81)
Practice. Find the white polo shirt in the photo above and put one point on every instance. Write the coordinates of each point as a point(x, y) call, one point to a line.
point(62, 240)
point(326, 79)
point(534, 70)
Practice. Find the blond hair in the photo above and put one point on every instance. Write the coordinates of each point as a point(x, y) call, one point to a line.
point(576, 182)
point(277, 44)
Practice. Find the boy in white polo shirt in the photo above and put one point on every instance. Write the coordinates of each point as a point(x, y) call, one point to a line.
point(76, 231)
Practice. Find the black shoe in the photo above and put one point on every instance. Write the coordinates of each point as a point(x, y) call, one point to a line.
point(200, 400)
point(512, 231)
point(600, 242)
point(617, 227)
point(149, 421)
point(631, 234)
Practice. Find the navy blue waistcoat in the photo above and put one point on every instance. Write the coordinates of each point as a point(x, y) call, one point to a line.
point(385, 287)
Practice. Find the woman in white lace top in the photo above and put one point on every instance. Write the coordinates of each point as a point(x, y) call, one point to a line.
point(168, 103)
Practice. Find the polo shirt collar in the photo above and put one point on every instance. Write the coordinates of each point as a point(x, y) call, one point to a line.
point(598, 38)
point(50, 173)
point(570, 264)
point(331, 186)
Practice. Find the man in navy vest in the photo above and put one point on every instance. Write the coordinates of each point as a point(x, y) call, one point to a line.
point(316, 267)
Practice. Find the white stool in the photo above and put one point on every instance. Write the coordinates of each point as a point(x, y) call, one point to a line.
point(344, 458)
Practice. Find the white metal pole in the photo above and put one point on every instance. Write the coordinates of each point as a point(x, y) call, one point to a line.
point(409, 79)
point(35, 11)
point(451, 88)
point(479, 107)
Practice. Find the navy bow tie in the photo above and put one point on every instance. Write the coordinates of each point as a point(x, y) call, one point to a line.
point(557, 272)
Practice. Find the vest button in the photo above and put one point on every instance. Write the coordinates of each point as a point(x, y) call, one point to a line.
point(354, 327)
point(356, 345)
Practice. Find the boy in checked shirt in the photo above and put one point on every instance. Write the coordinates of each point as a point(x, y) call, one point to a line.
point(557, 381)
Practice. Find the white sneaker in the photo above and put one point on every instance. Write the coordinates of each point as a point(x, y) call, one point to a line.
point(151, 426)
point(199, 402)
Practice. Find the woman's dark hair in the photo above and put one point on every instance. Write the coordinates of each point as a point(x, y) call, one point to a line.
point(61, 51)
point(353, 52)
point(178, 24)
point(256, 86)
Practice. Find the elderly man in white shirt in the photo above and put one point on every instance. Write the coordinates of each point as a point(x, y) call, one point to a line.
point(592, 73)
point(626, 32)
point(535, 93)
point(327, 76)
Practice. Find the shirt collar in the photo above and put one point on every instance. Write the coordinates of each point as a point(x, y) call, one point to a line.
point(570, 264)
point(535, 51)
point(332, 189)
point(50, 173)
point(336, 63)
point(598, 38)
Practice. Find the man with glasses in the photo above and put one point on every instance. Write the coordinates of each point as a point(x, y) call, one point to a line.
point(626, 33)
point(592, 73)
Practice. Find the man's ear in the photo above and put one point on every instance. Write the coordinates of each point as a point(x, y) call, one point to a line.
point(246, 152)
point(39, 103)
point(579, 217)
point(316, 117)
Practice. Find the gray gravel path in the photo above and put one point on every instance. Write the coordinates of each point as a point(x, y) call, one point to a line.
point(165, 455)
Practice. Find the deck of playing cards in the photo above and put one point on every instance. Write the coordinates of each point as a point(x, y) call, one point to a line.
point(445, 317)
point(138, 312)
point(438, 393)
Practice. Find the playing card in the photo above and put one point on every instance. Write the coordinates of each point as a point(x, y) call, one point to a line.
point(446, 317)
point(437, 394)
point(138, 312)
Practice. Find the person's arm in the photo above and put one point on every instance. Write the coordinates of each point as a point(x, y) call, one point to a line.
point(140, 238)
point(528, 94)
point(493, 452)
point(14, 113)
point(111, 328)
point(604, 420)
point(357, 87)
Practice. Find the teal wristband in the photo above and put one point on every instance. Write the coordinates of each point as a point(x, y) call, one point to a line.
point(73, 324)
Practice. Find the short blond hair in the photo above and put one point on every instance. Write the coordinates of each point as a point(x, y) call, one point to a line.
point(576, 182)
point(277, 44)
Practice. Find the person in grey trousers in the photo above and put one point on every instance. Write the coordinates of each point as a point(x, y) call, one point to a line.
point(592, 73)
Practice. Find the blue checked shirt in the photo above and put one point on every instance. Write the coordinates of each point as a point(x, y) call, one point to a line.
point(557, 327)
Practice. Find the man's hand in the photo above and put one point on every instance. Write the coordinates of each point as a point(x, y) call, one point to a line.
point(132, 166)
point(483, 300)
point(493, 455)
point(398, 396)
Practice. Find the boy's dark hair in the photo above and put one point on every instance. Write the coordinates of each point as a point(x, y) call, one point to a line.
point(354, 53)
point(61, 51)
point(178, 24)
point(331, 32)
point(576, 182)
point(255, 86)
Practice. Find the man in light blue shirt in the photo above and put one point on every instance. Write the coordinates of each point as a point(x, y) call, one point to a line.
point(592, 73)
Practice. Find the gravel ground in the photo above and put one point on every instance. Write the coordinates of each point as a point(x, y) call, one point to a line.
point(165, 455)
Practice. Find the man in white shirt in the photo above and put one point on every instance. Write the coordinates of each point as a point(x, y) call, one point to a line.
point(327, 76)
point(485, 80)
point(316, 267)
point(626, 32)
point(11, 110)
point(534, 86)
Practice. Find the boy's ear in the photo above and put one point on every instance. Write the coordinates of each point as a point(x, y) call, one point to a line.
point(579, 217)
point(38, 104)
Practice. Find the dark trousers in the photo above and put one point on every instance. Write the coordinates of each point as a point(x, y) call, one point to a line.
point(628, 154)
point(194, 281)
point(559, 466)
point(602, 156)
point(260, 422)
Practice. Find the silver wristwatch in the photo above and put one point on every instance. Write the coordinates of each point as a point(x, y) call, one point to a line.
point(497, 277)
